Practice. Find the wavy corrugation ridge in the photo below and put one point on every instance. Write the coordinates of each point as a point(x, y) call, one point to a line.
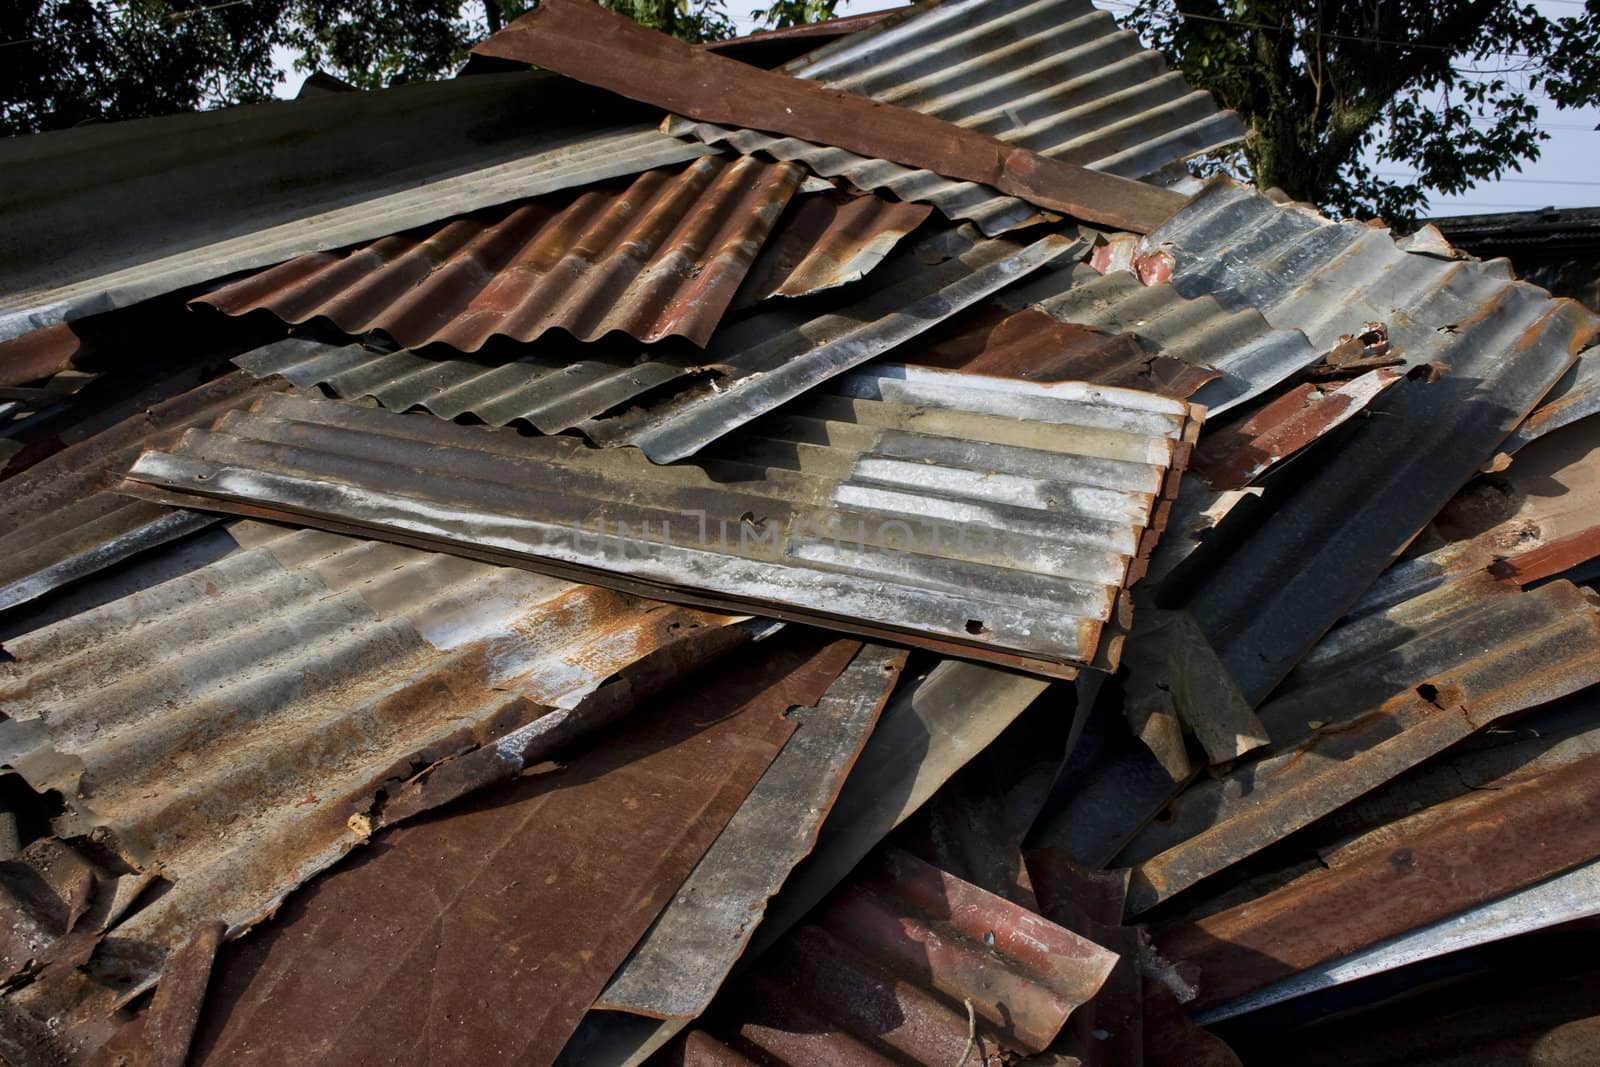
point(1056, 76)
point(662, 257)
point(993, 517)
point(1496, 346)
point(228, 725)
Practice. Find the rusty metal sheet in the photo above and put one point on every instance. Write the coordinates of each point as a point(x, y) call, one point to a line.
point(1250, 356)
point(678, 966)
point(610, 51)
point(57, 521)
point(1524, 834)
point(897, 959)
point(661, 256)
point(828, 241)
point(1497, 346)
point(104, 216)
point(40, 353)
point(1428, 674)
point(1238, 455)
point(1058, 77)
point(486, 932)
point(238, 727)
point(993, 518)
point(160, 1036)
point(938, 720)
point(1032, 345)
point(689, 398)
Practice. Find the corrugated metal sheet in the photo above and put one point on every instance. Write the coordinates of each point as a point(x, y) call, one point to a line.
point(58, 522)
point(485, 933)
point(888, 970)
point(1376, 697)
point(1518, 836)
point(1575, 396)
point(751, 368)
point(662, 256)
point(828, 241)
point(1056, 76)
point(105, 216)
point(233, 728)
point(1499, 346)
point(938, 719)
point(679, 965)
point(996, 517)
point(607, 50)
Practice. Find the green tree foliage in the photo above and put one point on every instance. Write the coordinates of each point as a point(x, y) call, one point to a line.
point(63, 62)
point(1435, 87)
point(785, 13)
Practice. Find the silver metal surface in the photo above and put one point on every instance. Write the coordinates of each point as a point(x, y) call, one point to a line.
point(231, 727)
point(1498, 346)
point(994, 516)
point(105, 216)
point(1056, 76)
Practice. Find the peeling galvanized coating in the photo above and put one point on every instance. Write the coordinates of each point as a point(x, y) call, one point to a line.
point(1056, 76)
point(185, 199)
point(1390, 691)
point(1500, 345)
point(680, 964)
point(662, 256)
point(996, 517)
point(231, 726)
point(759, 363)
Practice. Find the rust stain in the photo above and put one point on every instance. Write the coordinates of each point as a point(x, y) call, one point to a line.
point(662, 256)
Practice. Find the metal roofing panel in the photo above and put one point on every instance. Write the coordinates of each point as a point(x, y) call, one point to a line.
point(658, 257)
point(679, 965)
point(607, 50)
point(828, 241)
point(1499, 346)
point(233, 727)
point(991, 517)
point(1056, 76)
point(506, 916)
point(911, 964)
point(58, 522)
point(1392, 690)
point(1520, 835)
point(105, 216)
point(1575, 396)
point(758, 364)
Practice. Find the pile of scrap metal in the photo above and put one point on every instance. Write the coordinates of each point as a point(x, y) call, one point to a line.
point(663, 556)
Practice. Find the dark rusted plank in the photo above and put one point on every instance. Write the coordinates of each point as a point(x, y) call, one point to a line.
point(160, 1037)
point(487, 932)
point(601, 48)
point(1526, 833)
point(39, 354)
point(1549, 560)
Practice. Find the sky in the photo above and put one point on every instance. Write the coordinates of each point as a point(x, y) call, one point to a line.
point(1565, 175)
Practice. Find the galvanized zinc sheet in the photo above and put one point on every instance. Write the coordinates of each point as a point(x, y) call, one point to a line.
point(1499, 346)
point(992, 517)
point(105, 216)
point(1057, 76)
point(751, 367)
point(1575, 396)
point(660, 256)
point(232, 727)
